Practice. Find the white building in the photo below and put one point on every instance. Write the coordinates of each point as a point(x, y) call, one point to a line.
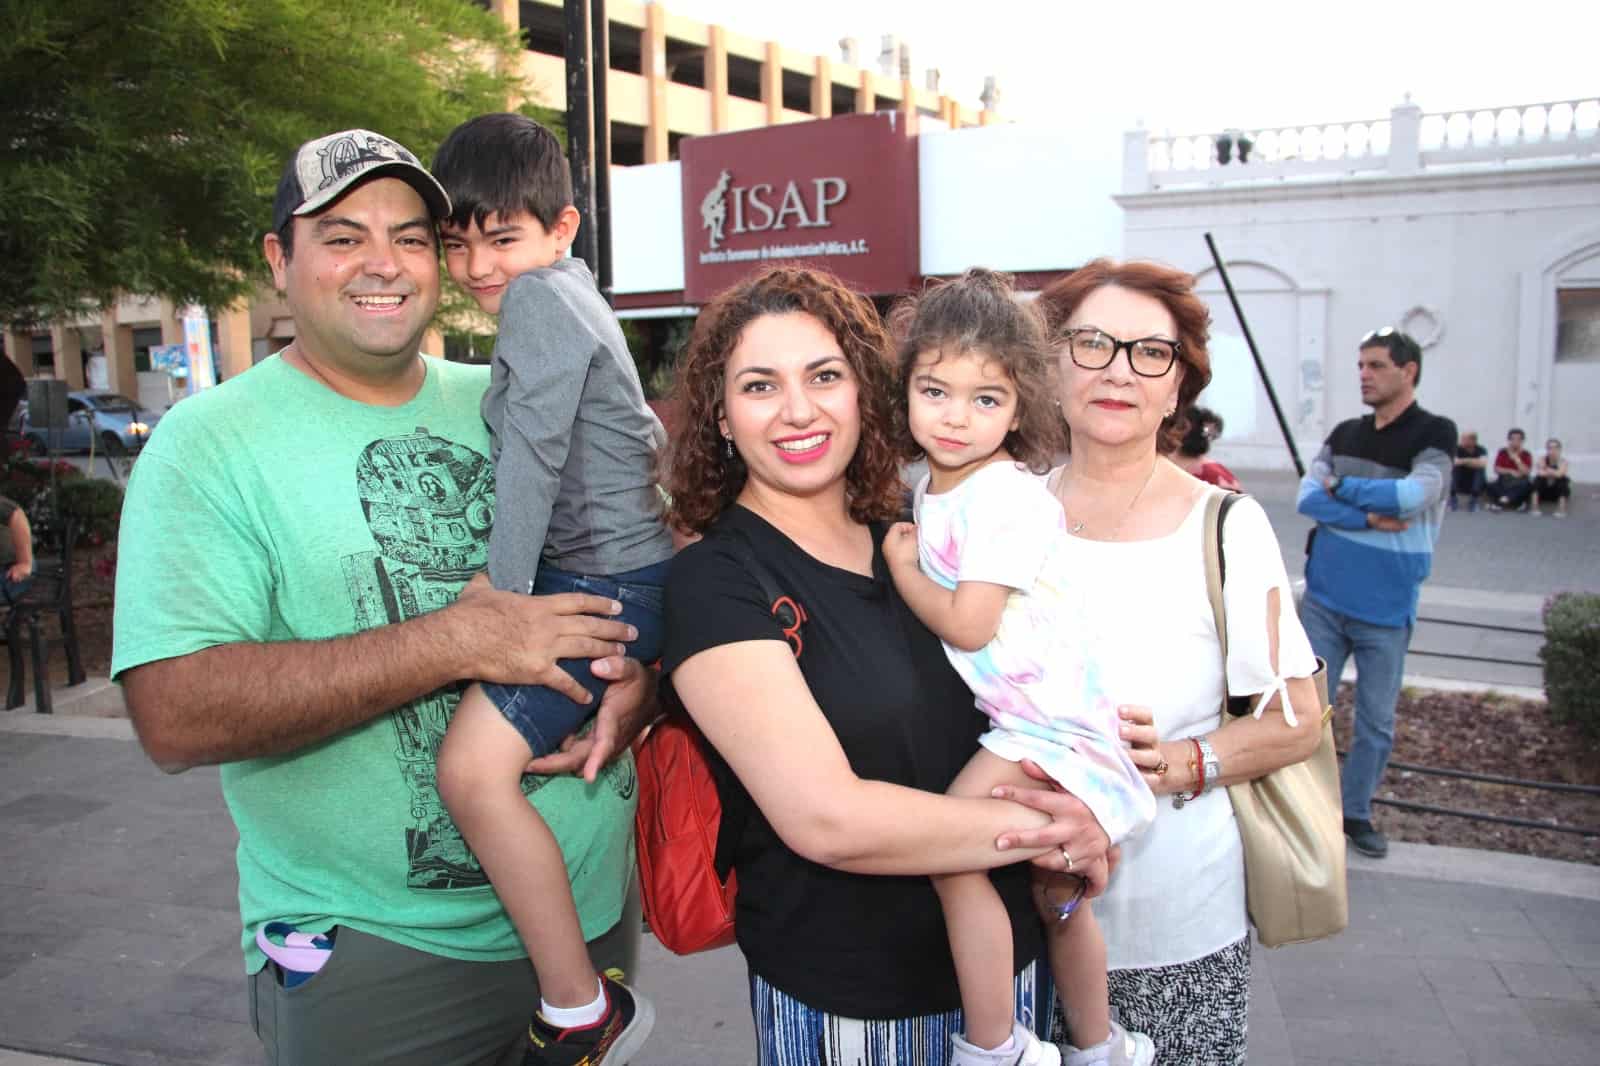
point(1476, 232)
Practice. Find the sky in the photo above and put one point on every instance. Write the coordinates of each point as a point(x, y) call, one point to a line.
point(1099, 69)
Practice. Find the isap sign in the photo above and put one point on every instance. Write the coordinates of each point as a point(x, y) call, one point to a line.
point(754, 212)
point(840, 194)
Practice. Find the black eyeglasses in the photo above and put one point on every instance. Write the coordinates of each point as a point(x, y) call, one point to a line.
point(1093, 349)
point(1381, 335)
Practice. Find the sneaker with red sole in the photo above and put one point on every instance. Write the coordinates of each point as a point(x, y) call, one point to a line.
point(616, 1037)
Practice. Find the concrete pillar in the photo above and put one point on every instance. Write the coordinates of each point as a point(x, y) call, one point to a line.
point(1135, 160)
point(908, 106)
point(116, 341)
point(234, 354)
point(19, 349)
point(772, 83)
point(509, 13)
point(822, 88)
point(171, 323)
point(508, 10)
point(67, 343)
point(717, 76)
point(653, 65)
point(1405, 138)
point(433, 342)
point(867, 93)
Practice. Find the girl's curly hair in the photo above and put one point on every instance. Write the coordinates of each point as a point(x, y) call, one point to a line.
point(979, 313)
point(702, 480)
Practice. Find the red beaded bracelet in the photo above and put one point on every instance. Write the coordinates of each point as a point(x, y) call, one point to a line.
point(1197, 770)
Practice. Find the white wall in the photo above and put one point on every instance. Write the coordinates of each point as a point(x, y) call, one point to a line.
point(647, 228)
point(1471, 255)
point(1014, 198)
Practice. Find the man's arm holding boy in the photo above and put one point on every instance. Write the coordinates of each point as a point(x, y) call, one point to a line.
point(205, 683)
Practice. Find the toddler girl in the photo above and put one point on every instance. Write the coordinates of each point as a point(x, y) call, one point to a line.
point(981, 569)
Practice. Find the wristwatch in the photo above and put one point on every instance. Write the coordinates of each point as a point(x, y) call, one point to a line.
point(1211, 764)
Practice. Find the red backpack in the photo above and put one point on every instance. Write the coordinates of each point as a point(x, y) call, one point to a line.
point(685, 834)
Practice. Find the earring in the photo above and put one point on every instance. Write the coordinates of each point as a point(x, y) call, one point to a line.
point(727, 447)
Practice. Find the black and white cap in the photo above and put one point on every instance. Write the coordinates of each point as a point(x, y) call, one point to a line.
point(323, 170)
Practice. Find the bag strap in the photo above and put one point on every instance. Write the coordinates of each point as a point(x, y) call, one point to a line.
point(1217, 505)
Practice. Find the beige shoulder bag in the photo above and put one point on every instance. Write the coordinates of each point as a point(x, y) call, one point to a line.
point(1289, 819)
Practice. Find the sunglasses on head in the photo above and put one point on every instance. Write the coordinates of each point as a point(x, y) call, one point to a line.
point(1395, 341)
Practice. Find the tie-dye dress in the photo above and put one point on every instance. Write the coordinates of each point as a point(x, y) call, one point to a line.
point(1037, 679)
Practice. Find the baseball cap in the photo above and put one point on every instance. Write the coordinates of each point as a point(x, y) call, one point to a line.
point(323, 170)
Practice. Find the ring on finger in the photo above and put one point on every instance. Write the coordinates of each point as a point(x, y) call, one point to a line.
point(1161, 767)
point(1067, 855)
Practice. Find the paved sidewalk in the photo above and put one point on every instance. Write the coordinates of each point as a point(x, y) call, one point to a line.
point(118, 942)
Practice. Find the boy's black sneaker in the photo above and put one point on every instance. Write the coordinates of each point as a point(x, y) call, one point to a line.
point(1365, 838)
point(616, 1037)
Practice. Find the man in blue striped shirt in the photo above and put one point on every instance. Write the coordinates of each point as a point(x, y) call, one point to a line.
point(1377, 492)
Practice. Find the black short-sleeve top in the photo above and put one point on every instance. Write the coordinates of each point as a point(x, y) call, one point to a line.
point(851, 944)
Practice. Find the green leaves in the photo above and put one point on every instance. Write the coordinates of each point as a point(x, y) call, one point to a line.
point(1571, 656)
point(142, 141)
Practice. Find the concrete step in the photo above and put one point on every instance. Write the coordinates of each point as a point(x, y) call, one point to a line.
point(96, 697)
point(1471, 651)
point(1491, 638)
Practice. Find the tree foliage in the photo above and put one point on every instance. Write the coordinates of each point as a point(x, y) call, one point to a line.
point(141, 141)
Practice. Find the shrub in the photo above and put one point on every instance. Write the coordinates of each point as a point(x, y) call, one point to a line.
point(95, 505)
point(1571, 656)
point(23, 480)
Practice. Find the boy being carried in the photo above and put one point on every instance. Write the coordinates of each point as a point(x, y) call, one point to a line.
point(577, 510)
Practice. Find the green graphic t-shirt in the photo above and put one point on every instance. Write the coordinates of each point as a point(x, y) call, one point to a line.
point(271, 508)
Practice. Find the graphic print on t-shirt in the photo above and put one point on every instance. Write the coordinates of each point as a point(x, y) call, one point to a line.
point(429, 503)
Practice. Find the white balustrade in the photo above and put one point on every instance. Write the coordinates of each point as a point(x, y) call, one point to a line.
point(1550, 130)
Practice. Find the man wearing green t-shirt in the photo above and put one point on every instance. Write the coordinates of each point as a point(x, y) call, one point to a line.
point(296, 601)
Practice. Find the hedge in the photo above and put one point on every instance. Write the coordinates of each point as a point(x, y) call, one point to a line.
point(1571, 656)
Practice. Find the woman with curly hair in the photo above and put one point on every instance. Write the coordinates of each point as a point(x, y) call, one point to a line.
point(836, 721)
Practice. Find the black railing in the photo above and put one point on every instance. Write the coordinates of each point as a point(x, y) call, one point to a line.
point(1492, 779)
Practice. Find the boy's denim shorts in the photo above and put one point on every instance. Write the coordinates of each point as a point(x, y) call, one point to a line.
point(544, 716)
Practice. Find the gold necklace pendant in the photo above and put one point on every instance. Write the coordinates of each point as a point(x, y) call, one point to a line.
point(1077, 525)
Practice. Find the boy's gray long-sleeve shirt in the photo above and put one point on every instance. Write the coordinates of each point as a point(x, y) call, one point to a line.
point(574, 443)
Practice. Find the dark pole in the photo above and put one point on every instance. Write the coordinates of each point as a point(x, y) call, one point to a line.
point(580, 127)
point(1261, 368)
point(600, 37)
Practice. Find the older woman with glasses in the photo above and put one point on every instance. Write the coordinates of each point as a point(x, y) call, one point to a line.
point(1133, 355)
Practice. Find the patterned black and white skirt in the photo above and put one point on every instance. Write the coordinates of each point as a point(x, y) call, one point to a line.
point(1196, 1013)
